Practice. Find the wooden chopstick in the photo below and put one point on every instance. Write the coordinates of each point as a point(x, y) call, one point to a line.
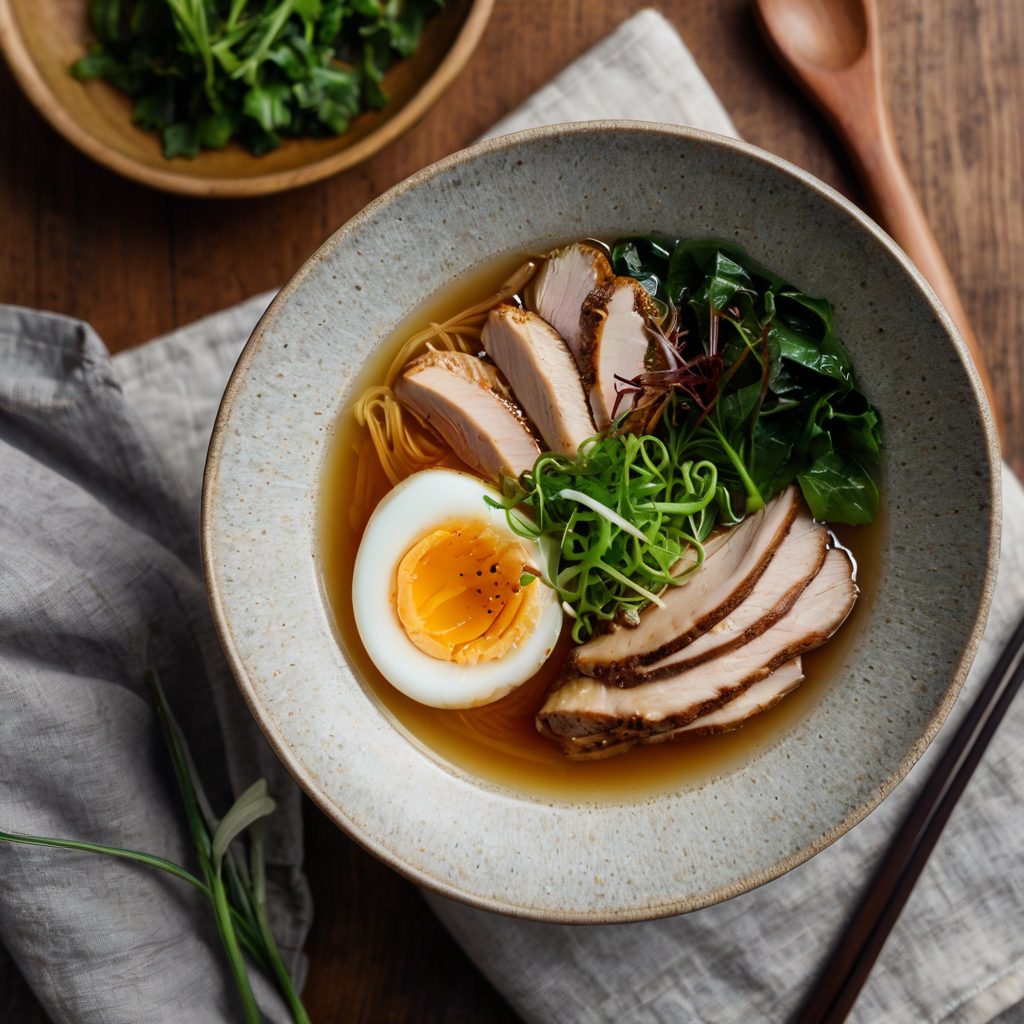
point(854, 954)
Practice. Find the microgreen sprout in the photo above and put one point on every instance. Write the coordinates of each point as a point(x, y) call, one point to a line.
point(619, 516)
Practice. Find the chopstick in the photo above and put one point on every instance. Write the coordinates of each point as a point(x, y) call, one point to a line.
point(857, 948)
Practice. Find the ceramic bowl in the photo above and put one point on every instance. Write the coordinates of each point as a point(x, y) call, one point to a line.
point(625, 858)
point(41, 39)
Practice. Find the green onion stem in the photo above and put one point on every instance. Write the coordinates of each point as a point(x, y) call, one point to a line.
point(238, 898)
point(204, 847)
point(109, 851)
point(754, 499)
point(602, 510)
point(627, 582)
point(229, 939)
point(616, 519)
point(247, 934)
point(277, 965)
point(259, 902)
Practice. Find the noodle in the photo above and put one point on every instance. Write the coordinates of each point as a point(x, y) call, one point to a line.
point(402, 443)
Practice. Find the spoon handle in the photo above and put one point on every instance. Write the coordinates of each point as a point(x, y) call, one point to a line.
point(867, 131)
point(851, 96)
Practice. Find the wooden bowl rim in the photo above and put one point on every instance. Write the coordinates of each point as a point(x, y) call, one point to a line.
point(26, 72)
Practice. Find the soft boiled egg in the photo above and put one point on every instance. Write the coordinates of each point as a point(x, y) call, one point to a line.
point(439, 597)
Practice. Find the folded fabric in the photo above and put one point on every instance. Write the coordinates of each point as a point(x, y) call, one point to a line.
point(101, 465)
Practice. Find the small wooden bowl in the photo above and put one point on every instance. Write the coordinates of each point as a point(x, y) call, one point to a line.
point(41, 39)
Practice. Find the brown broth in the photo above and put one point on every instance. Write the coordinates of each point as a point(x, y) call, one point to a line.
point(499, 742)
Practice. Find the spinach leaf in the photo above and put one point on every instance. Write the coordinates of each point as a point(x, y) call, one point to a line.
point(686, 267)
point(204, 72)
point(772, 464)
point(838, 489)
point(788, 407)
point(692, 257)
point(858, 433)
point(644, 258)
point(736, 407)
point(725, 279)
point(804, 328)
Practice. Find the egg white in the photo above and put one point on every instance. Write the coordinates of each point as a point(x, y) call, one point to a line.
point(422, 503)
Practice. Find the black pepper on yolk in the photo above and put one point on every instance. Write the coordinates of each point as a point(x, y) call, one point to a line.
point(458, 593)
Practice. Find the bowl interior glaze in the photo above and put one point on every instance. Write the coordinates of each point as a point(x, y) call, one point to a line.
point(627, 859)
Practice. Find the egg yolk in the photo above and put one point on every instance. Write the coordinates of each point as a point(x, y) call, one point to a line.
point(458, 593)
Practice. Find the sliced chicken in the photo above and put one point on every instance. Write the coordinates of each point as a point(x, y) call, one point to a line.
point(728, 574)
point(752, 701)
point(543, 375)
point(758, 697)
point(589, 716)
point(469, 405)
point(563, 285)
point(792, 567)
point(615, 345)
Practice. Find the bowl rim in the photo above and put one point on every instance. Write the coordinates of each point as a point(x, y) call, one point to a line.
point(26, 72)
point(754, 879)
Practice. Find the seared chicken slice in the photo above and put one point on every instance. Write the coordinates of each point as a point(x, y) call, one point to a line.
point(561, 287)
point(792, 567)
point(615, 345)
point(731, 568)
point(589, 716)
point(752, 701)
point(467, 403)
point(758, 697)
point(543, 376)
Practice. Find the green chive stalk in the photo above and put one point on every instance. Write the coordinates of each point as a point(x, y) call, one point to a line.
point(235, 889)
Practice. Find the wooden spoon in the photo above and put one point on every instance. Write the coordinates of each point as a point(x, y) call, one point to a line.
point(831, 48)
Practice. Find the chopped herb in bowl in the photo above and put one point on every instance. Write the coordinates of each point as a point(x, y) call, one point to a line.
point(202, 73)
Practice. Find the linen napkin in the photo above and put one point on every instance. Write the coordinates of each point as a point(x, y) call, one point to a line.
point(100, 467)
point(100, 471)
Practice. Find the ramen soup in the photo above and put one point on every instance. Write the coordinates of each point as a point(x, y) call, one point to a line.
point(602, 521)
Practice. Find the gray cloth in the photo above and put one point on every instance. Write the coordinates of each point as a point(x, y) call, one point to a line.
point(100, 468)
point(100, 464)
point(642, 71)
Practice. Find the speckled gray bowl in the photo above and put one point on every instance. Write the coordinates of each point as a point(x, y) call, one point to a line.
point(555, 860)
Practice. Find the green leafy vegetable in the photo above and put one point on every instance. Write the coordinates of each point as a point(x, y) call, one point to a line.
point(787, 407)
point(620, 516)
point(760, 394)
point(204, 72)
point(644, 258)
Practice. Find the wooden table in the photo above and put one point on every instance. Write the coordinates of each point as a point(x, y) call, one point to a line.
point(137, 263)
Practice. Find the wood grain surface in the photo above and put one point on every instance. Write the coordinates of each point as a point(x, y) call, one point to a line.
point(76, 239)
